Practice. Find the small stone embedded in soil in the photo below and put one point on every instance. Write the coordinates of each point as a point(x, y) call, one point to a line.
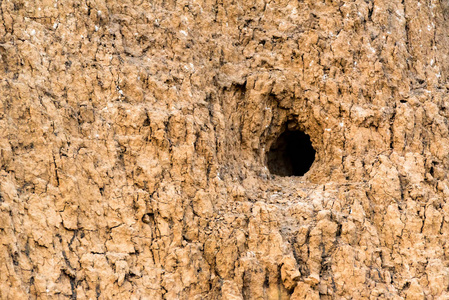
point(147, 218)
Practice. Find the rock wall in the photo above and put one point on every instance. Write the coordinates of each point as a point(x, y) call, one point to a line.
point(134, 135)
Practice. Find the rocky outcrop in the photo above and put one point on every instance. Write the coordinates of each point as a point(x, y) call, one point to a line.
point(134, 139)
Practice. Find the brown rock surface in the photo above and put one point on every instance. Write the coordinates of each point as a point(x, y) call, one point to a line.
point(134, 136)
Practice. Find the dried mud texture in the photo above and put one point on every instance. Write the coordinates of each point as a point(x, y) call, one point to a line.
point(134, 135)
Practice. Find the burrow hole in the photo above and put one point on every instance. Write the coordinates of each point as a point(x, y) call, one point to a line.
point(292, 154)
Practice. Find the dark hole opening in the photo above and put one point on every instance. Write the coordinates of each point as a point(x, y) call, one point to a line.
point(291, 154)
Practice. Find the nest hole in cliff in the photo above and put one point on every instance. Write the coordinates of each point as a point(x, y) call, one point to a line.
point(292, 154)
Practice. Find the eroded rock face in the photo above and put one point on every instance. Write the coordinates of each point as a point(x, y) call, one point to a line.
point(134, 137)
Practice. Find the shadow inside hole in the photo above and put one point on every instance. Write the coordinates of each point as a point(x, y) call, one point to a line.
point(291, 154)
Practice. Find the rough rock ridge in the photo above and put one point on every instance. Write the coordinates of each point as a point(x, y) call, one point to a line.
point(134, 135)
